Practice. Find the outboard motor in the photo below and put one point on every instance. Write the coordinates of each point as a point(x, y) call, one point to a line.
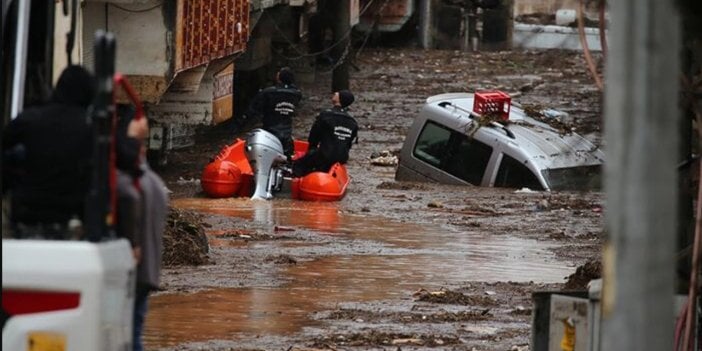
point(264, 151)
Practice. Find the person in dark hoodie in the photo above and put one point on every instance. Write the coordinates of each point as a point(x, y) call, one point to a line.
point(277, 106)
point(50, 149)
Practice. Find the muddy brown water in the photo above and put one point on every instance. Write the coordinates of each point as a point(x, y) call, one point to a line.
point(413, 257)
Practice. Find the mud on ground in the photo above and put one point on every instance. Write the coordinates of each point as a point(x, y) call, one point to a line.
point(184, 240)
point(390, 88)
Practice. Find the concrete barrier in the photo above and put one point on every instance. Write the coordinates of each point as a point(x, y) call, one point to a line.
point(532, 36)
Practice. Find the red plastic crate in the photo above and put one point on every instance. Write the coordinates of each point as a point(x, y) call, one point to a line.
point(492, 101)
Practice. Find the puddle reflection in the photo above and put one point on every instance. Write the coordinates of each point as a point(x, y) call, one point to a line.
point(321, 216)
point(222, 314)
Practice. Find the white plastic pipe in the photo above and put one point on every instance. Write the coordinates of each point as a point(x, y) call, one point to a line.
point(19, 73)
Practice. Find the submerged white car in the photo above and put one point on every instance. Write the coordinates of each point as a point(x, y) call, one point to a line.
point(450, 143)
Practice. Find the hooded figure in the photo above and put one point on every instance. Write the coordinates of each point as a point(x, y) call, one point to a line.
point(50, 149)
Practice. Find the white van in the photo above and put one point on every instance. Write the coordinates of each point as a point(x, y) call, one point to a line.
point(448, 144)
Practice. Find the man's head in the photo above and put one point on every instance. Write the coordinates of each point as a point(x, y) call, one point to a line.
point(75, 86)
point(129, 127)
point(342, 98)
point(286, 76)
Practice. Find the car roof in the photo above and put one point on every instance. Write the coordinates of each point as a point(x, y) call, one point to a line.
point(545, 146)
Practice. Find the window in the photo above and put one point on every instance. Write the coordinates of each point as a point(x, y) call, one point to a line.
point(513, 174)
point(453, 152)
point(432, 143)
point(583, 178)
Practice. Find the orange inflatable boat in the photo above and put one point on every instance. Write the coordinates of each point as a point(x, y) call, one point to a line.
point(230, 174)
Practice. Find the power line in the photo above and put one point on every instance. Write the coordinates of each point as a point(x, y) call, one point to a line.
point(135, 11)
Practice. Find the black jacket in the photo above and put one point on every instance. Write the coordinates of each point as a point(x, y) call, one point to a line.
point(50, 177)
point(128, 149)
point(277, 105)
point(333, 133)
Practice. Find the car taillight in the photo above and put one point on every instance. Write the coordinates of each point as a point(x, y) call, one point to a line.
point(16, 302)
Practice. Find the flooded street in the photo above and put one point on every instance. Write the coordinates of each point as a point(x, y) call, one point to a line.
point(392, 265)
point(419, 254)
point(403, 258)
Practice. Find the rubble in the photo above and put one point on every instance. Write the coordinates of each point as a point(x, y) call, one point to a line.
point(453, 297)
point(184, 240)
point(384, 158)
point(583, 275)
point(373, 337)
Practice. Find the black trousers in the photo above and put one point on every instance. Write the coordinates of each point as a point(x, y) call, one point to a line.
point(288, 146)
point(313, 161)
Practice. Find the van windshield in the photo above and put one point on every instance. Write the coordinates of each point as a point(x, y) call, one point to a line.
point(584, 178)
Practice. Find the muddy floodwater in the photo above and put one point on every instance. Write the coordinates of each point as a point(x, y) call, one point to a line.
point(404, 258)
point(410, 254)
point(393, 265)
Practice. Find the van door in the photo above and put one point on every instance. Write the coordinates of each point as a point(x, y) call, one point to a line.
point(451, 154)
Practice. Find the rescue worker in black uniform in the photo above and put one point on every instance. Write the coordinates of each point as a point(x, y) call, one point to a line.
point(331, 137)
point(277, 106)
point(47, 154)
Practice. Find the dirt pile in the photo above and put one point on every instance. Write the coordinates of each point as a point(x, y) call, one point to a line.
point(583, 275)
point(453, 297)
point(377, 338)
point(441, 316)
point(184, 240)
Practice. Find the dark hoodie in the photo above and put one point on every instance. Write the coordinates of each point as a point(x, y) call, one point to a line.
point(51, 147)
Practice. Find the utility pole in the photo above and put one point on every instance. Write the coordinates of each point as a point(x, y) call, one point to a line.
point(342, 33)
point(642, 136)
point(425, 24)
point(691, 69)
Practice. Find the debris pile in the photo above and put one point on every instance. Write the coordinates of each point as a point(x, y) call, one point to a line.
point(583, 275)
point(361, 316)
point(184, 240)
point(282, 259)
point(374, 337)
point(557, 202)
point(385, 158)
point(558, 120)
point(453, 297)
point(403, 186)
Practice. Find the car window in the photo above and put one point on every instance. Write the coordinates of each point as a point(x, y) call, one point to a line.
point(583, 178)
point(453, 152)
point(431, 143)
point(514, 174)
